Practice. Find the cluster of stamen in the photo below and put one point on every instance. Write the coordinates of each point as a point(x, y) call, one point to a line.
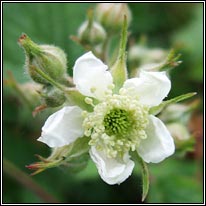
point(116, 124)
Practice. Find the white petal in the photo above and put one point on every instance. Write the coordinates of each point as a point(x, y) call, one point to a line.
point(63, 127)
point(150, 87)
point(159, 144)
point(91, 76)
point(112, 171)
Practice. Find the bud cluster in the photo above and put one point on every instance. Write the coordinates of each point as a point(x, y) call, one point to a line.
point(105, 21)
point(45, 62)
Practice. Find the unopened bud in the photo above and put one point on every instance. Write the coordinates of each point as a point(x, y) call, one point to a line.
point(184, 141)
point(178, 131)
point(30, 89)
point(137, 53)
point(156, 55)
point(49, 59)
point(176, 112)
point(111, 15)
point(53, 97)
point(91, 33)
point(143, 55)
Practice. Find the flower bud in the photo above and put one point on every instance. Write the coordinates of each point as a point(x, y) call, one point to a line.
point(30, 90)
point(178, 131)
point(156, 55)
point(176, 112)
point(49, 59)
point(184, 141)
point(136, 54)
point(91, 33)
point(53, 97)
point(142, 55)
point(111, 15)
point(27, 92)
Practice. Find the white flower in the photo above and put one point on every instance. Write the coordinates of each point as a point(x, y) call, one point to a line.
point(119, 124)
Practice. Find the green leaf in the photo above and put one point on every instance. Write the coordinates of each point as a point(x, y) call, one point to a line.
point(157, 109)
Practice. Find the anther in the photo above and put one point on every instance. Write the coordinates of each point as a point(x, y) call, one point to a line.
point(89, 101)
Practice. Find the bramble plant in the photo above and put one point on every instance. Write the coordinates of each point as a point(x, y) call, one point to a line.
point(107, 111)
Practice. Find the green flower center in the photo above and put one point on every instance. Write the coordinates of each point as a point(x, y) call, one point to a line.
point(116, 124)
point(117, 121)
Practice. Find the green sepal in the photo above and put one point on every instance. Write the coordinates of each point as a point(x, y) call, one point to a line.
point(78, 156)
point(76, 98)
point(157, 109)
point(145, 174)
point(118, 70)
point(73, 156)
point(29, 46)
point(171, 61)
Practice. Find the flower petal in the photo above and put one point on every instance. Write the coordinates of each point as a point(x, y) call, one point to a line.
point(150, 87)
point(91, 76)
point(112, 171)
point(63, 127)
point(159, 144)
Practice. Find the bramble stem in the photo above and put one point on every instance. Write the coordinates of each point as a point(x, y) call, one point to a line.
point(10, 169)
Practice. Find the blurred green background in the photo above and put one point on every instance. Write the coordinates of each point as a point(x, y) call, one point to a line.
point(166, 25)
